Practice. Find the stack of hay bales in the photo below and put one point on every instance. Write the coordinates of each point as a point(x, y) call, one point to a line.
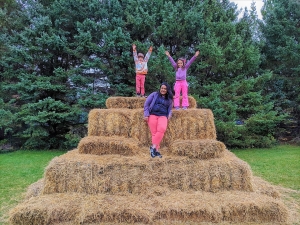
point(111, 177)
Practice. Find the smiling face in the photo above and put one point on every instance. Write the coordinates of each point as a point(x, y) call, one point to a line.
point(163, 90)
point(180, 63)
point(141, 59)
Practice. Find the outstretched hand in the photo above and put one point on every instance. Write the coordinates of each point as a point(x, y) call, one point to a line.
point(133, 47)
point(197, 53)
point(167, 53)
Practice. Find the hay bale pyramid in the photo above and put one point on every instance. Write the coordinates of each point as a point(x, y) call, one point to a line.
point(111, 178)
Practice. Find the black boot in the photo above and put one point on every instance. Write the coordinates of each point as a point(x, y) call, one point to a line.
point(152, 152)
point(158, 154)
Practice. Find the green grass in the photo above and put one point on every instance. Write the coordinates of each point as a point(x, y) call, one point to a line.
point(17, 171)
point(279, 165)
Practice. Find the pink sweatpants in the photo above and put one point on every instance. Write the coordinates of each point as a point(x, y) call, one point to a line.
point(158, 126)
point(140, 84)
point(181, 86)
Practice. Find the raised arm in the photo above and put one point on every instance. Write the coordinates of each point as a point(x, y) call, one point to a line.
point(134, 52)
point(148, 54)
point(171, 59)
point(189, 63)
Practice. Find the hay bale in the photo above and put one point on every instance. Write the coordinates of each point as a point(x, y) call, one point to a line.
point(125, 102)
point(137, 102)
point(35, 189)
point(112, 179)
point(99, 145)
point(45, 210)
point(79, 209)
point(191, 124)
point(110, 122)
point(90, 174)
point(192, 102)
point(198, 207)
point(263, 187)
point(200, 149)
point(231, 206)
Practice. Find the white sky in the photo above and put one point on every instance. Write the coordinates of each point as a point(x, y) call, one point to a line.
point(247, 3)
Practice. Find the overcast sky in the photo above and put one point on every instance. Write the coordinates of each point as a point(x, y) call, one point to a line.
point(247, 3)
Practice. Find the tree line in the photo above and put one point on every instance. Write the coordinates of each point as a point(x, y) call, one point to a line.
point(61, 58)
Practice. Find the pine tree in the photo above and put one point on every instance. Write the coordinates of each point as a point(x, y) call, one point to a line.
point(281, 30)
point(65, 57)
point(48, 59)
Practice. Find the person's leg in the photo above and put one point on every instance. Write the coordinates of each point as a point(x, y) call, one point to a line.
point(158, 126)
point(138, 84)
point(152, 123)
point(143, 77)
point(161, 127)
point(162, 124)
point(185, 98)
point(177, 89)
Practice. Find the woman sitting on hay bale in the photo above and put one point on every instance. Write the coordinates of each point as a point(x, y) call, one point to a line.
point(157, 112)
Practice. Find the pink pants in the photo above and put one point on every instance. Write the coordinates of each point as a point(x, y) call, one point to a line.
point(158, 126)
point(140, 84)
point(181, 86)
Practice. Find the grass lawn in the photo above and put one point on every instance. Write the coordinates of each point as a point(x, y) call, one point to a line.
point(17, 171)
point(279, 165)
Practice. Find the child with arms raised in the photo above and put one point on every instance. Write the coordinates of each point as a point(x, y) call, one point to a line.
point(141, 70)
point(181, 84)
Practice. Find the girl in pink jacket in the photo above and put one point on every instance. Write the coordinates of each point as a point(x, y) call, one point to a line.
point(181, 84)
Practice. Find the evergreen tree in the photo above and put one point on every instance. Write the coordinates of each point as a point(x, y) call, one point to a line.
point(64, 57)
point(232, 83)
point(48, 59)
point(281, 51)
point(245, 117)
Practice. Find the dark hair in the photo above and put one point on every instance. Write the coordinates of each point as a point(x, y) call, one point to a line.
point(169, 94)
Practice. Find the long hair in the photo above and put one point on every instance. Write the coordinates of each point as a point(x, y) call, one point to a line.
point(183, 61)
point(169, 94)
